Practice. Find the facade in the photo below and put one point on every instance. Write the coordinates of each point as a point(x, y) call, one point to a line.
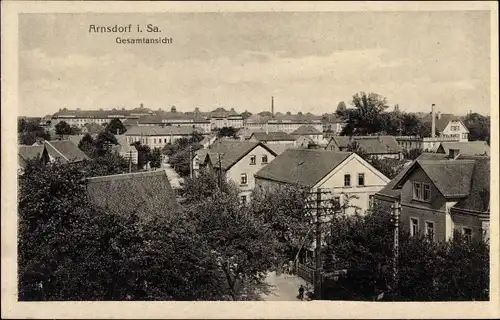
point(176, 119)
point(158, 136)
point(440, 196)
point(309, 131)
point(374, 146)
point(220, 118)
point(239, 162)
point(444, 128)
point(346, 177)
point(409, 142)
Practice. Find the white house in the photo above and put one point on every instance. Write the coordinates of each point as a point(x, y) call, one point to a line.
point(345, 175)
point(445, 128)
point(158, 136)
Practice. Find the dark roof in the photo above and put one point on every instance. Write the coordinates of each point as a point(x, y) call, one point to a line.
point(231, 151)
point(273, 136)
point(65, 150)
point(341, 141)
point(441, 120)
point(469, 148)
point(161, 131)
point(378, 144)
point(452, 178)
point(479, 195)
point(29, 152)
point(305, 167)
point(306, 130)
point(148, 193)
point(94, 128)
point(279, 148)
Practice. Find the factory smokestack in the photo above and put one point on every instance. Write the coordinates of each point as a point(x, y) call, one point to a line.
point(272, 107)
point(433, 132)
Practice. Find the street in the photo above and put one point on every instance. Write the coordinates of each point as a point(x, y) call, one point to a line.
point(173, 177)
point(284, 287)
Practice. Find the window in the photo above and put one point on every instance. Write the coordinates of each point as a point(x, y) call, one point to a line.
point(361, 179)
point(154, 140)
point(427, 192)
point(264, 159)
point(243, 179)
point(417, 190)
point(243, 199)
point(429, 229)
point(464, 135)
point(165, 140)
point(253, 160)
point(467, 232)
point(347, 180)
point(413, 226)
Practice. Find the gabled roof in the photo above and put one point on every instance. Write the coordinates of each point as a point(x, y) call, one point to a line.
point(279, 148)
point(161, 130)
point(306, 130)
point(378, 144)
point(149, 193)
point(29, 152)
point(304, 167)
point(469, 148)
point(273, 136)
point(231, 151)
point(479, 195)
point(341, 141)
point(65, 151)
point(441, 120)
point(451, 178)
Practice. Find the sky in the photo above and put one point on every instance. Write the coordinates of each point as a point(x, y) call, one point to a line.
point(309, 61)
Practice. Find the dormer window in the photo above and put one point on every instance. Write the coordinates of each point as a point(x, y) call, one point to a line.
point(421, 191)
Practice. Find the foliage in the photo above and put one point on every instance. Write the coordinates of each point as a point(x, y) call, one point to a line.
point(227, 132)
point(412, 154)
point(143, 154)
point(106, 164)
point(156, 158)
point(203, 186)
point(428, 271)
point(30, 132)
point(116, 126)
point(245, 115)
point(479, 127)
point(179, 151)
point(63, 128)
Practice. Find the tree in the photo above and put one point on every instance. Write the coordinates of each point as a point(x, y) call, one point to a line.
point(478, 126)
point(115, 126)
point(63, 128)
point(143, 154)
point(30, 132)
point(87, 145)
point(365, 117)
point(341, 107)
point(156, 158)
point(245, 115)
point(389, 167)
point(412, 154)
point(106, 164)
point(227, 132)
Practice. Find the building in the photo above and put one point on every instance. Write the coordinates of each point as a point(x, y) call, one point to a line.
point(309, 131)
point(92, 128)
point(175, 118)
point(343, 174)
point(439, 196)
point(80, 117)
point(159, 136)
point(64, 151)
point(374, 146)
point(279, 137)
point(472, 148)
point(238, 161)
point(220, 118)
point(147, 194)
point(208, 141)
point(444, 128)
point(125, 149)
point(408, 143)
point(282, 122)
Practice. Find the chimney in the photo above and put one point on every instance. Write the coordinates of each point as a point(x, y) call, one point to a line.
point(272, 107)
point(433, 130)
point(439, 115)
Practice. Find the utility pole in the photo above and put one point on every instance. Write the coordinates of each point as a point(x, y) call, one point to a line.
point(190, 162)
point(396, 212)
point(130, 161)
point(317, 275)
point(220, 171)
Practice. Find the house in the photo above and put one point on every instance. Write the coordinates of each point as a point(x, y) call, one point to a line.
point(374, 146)
point(304, 142)
point(25, 153)
point(444, 128)
point(343, 174)
point(148, 194)
point(408, 143)
point(159, 136)
point(473, 148)
point(64, 151)
point(125, 149)
point(246, 133)
point(439, 196)
point(238, 161)
point(92, 128)
point(309, 131)
point(208, 141)
point(272, 137)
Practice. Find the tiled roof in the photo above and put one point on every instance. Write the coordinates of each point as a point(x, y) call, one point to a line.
point(341, 141)
point(29, 152)
point(304, 167)
point(279, 148)
point(231, 151)
point(273, 136)
point(452, 178)
point(306, 130)
point(479, 195)
point(149, 193)
point(65, 150)
point(442, 121)
point(93, 128)
point(102, 113)
point(161, 130)
point(378, 144)
point(247, 133)
point(469, 148)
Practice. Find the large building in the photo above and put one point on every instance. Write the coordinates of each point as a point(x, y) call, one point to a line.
point(159, 136)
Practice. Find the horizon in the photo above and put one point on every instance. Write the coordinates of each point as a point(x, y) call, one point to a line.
point(240, 60)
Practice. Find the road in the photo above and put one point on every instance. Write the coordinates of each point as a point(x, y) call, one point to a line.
point(173, 176)
point(284, 287)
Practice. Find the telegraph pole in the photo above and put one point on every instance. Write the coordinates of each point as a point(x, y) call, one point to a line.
point(396, 212)
point(220, 170)
point(130, 161)
point(317, 276)
point(190, 162)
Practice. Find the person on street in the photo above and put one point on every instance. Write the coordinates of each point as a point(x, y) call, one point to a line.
point(301, 292)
